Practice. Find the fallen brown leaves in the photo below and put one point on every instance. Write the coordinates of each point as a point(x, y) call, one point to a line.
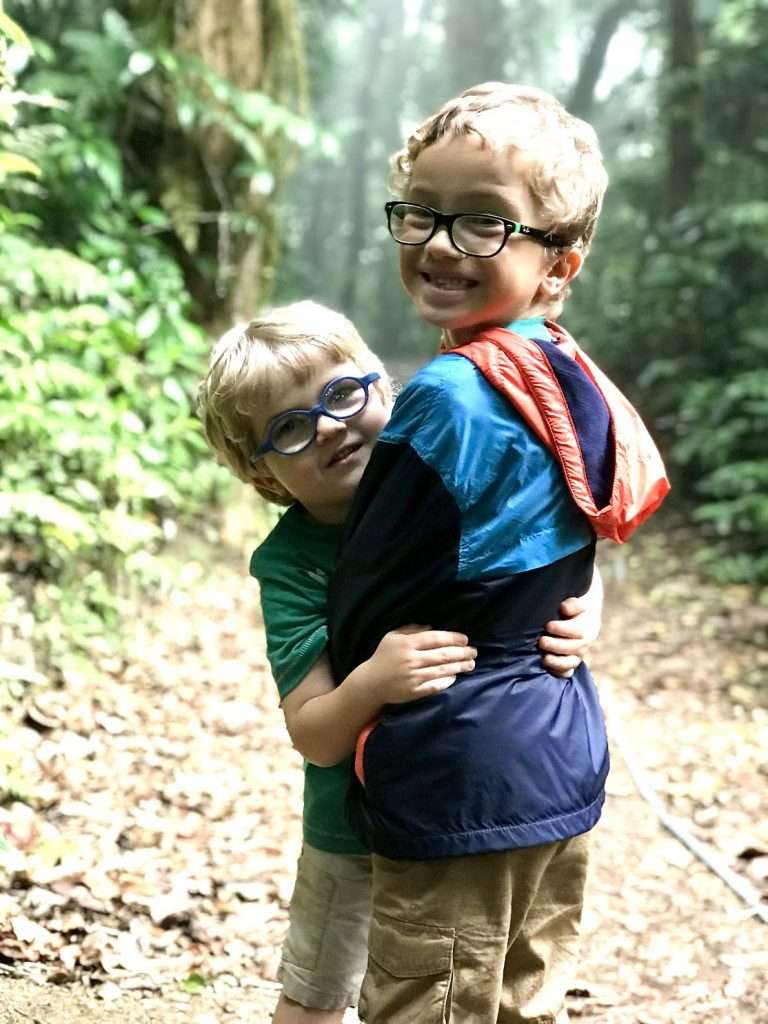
point(683, 667)
point(159, 824)
point(151, 821)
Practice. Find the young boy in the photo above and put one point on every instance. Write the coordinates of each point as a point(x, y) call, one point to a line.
point(477, 512)
point(293, 403)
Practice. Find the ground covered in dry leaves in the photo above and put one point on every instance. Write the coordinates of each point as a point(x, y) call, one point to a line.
point(150, 821)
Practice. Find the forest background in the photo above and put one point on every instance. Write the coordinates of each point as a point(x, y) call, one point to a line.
point(169, 167)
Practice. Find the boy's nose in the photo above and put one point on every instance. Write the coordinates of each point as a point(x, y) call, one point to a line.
point(440, 244)
point(327, 428)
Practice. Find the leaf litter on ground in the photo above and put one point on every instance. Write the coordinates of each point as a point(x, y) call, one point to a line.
point(151, 853)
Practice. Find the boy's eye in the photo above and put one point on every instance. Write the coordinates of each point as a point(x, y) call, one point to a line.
point(485, 226)
point(290, 430)
point(417, 218)
point(410, 219)
point(344, 396)
point(340, 394)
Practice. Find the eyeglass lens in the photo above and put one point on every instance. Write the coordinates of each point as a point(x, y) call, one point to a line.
point(295, 430)
point(476, 235)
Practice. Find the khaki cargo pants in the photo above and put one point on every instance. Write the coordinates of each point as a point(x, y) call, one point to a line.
point(487, 939)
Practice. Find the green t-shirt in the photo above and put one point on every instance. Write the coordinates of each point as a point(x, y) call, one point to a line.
point(293, 566)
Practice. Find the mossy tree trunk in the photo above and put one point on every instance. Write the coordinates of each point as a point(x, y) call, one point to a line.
point(681, 106)
point(223, 211)
point(367, 158)
point(607, 22)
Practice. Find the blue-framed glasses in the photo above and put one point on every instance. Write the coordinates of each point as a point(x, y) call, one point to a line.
point(474, 234)
point(292, 431)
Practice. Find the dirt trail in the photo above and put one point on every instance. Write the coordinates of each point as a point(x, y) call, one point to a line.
point(149, 866)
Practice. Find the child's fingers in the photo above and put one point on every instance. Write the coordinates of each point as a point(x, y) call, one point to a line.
point(561, 666)
point(572, 606)
point(431, 639)
point(428, 686)
point(570, 628)
point(431, 686)
point(439, 657)
point(561, 645)
point(562, 673)
point(450, 668)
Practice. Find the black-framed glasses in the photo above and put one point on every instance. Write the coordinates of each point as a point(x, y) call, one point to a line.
point(474, 234)
point(292, 431)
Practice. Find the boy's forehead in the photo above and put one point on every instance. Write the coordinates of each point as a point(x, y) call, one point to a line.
point(459, 167)
point(302, 387)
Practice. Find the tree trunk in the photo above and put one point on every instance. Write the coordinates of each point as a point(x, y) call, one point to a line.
point(477, 45)
point(256, 46)
point(383, 29)
point(681, 106)
point(582, 96)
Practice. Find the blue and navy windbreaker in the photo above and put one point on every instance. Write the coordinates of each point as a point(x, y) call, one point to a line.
point(463, 521)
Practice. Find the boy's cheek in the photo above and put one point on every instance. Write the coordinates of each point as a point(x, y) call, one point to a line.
point(406, 264)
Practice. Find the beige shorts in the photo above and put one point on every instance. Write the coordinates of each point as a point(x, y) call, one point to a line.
point(475, 940)
point(326, 948)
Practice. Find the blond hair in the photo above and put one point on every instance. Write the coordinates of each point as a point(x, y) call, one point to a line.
point(252, 364)
point(567, 176)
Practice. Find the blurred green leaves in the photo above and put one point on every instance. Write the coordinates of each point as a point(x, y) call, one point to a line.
point(101, 451)
point(678, 308)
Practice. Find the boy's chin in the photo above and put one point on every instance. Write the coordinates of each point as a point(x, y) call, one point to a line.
point(442, 320)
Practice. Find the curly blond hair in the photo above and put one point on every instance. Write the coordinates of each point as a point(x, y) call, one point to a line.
point(252, 363)
point(567, 179)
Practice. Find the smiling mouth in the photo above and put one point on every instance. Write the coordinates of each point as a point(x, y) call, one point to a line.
point(447, 282)
point(344, 453)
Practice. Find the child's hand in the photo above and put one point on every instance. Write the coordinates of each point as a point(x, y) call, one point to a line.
point(417, 661)
point(567, 640)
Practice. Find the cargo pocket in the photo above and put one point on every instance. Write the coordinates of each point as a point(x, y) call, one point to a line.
point(410, 973)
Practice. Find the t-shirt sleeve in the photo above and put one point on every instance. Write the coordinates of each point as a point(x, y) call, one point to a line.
point(297, 630)
point(293, 566)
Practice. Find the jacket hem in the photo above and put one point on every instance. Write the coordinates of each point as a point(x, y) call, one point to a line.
point(486, 840)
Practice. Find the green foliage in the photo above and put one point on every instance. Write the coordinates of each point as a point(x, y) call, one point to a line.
point(724, 438)
point(145, 114)
point(11, 163)
point(102, 234)
point(682, 296)
point(101, 452)
point(194, 984)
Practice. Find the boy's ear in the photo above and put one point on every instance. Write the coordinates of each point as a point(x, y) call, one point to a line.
point(269, 487)
point(565, 266)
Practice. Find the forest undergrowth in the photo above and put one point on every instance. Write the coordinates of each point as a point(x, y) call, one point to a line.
point(150, 822)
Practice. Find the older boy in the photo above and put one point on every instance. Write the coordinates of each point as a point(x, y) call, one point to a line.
point(476, 801)
point(293, 403)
